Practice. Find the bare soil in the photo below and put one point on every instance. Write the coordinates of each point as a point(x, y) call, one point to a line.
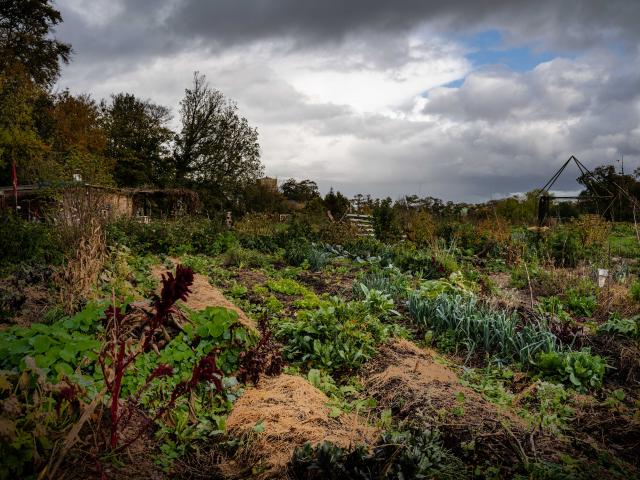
point(335, 284)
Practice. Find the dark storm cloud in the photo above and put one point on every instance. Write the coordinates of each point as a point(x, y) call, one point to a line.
point(575, 23)
point(165, 26)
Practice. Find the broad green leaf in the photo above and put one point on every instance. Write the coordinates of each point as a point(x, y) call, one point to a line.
point(41, 343)
point(62, 367)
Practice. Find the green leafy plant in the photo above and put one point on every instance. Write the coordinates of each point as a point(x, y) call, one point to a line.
point(490, 382)
point(237, 290)
point(343, 398)
point(286, 286)
point(35, 415)
point(317, 258)
point(389, 281)
point(178, 236)
point(581, 305)
point(338, 337)
point(62, 349)
point(548, 406)
point(580, 369)
point(117, 353)
point(623, 327)
point(554, 307)
point(237, 256)
point(397, 456)
point(378, 303)
point(216, 331)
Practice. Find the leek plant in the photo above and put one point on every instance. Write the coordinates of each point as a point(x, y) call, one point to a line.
point(478, 326)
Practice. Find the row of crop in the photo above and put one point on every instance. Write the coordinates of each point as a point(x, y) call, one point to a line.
point(478, 327)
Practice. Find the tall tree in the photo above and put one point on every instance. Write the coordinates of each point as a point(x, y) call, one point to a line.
point(20, 141)
point(301, 191)
point(138, 139)
point(216, 148)
point(78, 142)
point(610, 193)
point(337, 204)
point(26, 28)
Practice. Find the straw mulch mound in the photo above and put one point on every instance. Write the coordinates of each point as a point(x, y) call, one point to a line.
point(290, 412)
point(204, 295)
point(406, 379)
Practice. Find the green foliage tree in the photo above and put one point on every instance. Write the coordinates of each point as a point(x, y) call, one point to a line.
point(19, 138)
point(137, 140)
point(605, 181)
point(301, 191)
point(78, 141)
point(216, 150)
point(517, 210)
point(384, 220)
point(259, 197)
point(336, 203)
point(25, 39)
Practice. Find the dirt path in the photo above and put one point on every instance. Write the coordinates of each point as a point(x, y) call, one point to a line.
point(204, 295)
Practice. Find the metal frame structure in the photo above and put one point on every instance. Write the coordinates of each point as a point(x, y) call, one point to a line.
point(544, 199)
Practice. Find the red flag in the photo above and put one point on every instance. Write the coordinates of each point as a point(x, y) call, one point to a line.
point(14, 176)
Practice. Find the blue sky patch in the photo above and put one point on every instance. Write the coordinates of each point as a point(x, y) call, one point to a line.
point(488, 48)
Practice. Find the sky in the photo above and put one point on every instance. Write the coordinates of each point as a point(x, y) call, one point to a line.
point(462, 100)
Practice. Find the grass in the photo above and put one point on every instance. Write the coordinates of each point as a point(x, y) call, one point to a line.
point(624, 242)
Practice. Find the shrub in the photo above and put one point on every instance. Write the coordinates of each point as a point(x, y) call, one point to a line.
point(436, 263)
point(171, 237)
point(384, 221)
point(338, 233)
point(296, 252)
point(420, 227)
point(262, 243)
point(257, 224)
point(366, 247)
point(243, 257)
point(28, 242)
point(565, 247)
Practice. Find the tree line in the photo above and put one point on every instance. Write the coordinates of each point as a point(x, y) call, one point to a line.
point(125, 140)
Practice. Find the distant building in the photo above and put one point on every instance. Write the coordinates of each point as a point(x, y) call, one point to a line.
point(269, 183)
